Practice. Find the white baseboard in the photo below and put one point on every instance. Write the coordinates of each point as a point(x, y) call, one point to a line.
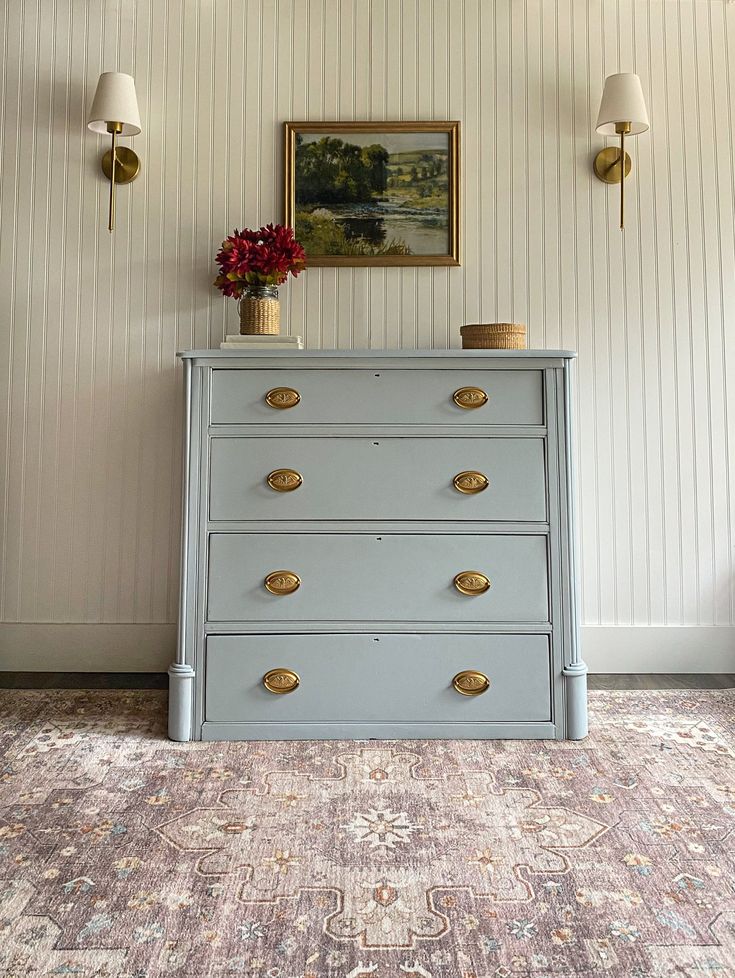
point(658, 648)
point(32, 647)
point(29, 647)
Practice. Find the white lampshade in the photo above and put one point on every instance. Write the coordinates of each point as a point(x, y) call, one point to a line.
point(115, 101)
point(622, 101)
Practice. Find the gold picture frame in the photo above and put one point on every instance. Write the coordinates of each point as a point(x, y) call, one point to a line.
point(352, 205)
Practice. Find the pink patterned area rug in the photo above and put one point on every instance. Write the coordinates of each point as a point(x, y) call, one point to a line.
point(125, 855)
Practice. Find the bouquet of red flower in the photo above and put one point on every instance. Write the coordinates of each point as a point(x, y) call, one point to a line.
point(263, 257)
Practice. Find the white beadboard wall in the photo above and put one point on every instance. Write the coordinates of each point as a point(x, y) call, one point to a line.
point(90, 322)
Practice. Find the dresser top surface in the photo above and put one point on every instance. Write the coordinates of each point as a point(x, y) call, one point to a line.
point(377, 354)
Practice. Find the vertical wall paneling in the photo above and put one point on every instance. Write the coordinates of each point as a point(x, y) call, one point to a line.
point(90, 322)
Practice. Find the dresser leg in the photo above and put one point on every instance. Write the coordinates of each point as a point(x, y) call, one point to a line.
point(576, 681)
point(180, 701)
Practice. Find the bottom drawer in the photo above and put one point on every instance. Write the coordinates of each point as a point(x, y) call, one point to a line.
point(377, 678)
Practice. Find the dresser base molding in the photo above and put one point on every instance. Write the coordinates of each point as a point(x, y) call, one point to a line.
point(180, 701)
point(378, 731)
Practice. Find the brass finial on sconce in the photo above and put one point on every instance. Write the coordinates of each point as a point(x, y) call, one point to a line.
point(622, 113)
point(115, 111)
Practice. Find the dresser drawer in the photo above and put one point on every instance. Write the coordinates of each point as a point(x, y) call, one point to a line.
point(377, 478)
point(370, 577)
point(514, 397)
point(377, 677)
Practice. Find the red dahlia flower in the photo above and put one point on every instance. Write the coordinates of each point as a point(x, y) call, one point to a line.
point(264, 257)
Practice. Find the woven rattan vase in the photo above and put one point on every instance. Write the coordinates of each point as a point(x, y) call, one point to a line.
point(494, 336)
point(260, 311)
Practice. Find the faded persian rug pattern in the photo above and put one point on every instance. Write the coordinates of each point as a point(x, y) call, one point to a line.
point(125, 855)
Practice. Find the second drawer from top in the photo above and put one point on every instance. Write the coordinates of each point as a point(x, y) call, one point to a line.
point(377, 478)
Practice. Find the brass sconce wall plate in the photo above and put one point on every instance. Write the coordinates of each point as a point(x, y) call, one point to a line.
point(127, 164)
point(607, 164)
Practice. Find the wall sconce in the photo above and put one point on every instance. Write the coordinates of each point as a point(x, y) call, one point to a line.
point(115, 110)
point(622, 113)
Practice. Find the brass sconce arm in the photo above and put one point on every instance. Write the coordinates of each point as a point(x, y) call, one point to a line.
point(114, 128)
point(622, 128)
point(125, 170)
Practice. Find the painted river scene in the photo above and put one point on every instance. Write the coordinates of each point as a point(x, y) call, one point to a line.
point(372, 194)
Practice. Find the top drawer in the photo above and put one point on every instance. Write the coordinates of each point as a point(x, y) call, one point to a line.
point(500, 397)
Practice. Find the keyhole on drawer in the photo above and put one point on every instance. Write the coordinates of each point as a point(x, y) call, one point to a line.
point(379, 539)
point(376, 640)
point(376, 443)
point(376, 375)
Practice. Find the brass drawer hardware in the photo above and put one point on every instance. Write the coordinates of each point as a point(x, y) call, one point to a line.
point(470, 482)
point(470, 397)
point(471, 582)
point(282, 398)
point(282, 582)
point(281, 681)
point(471, 683)
point(284, 480)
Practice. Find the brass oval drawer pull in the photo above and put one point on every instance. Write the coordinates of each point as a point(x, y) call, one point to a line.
point(471, 683)
point(282, 398)
point(471, 582)
point(470, 482)
point(469, 397)
point(281, 681)
point(282, 582)
point(284, 480)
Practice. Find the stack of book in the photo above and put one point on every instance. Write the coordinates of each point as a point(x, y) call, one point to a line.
point(261, 341)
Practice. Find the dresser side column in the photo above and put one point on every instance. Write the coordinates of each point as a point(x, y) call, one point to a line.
point(181, 673)
point(575, 670)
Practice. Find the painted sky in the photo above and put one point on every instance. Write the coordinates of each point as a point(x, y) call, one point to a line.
point(394, 142)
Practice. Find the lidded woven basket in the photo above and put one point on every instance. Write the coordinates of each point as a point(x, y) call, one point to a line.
point(494, 336)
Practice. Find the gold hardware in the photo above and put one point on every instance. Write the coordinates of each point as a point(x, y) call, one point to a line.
point(281, 681)
point(607, 165)
point(284, 480)
point(282, 398)
point(469, 397)
point(470, 482)
point(471, 683)
point(282, 582)
point(126, 168)
point(114, 112)
point(471, 583)
point(127, 165)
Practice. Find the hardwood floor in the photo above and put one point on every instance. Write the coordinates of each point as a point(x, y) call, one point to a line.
point(663, 680)
point(83, 680)
point(159, 680)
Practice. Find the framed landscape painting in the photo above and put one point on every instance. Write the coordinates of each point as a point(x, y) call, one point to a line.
point(374, 193)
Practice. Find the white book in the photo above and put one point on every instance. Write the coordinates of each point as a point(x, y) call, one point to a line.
point(265, 345)
point(254, 339)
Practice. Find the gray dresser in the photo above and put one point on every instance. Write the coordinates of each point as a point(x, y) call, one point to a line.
point(377, 544)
